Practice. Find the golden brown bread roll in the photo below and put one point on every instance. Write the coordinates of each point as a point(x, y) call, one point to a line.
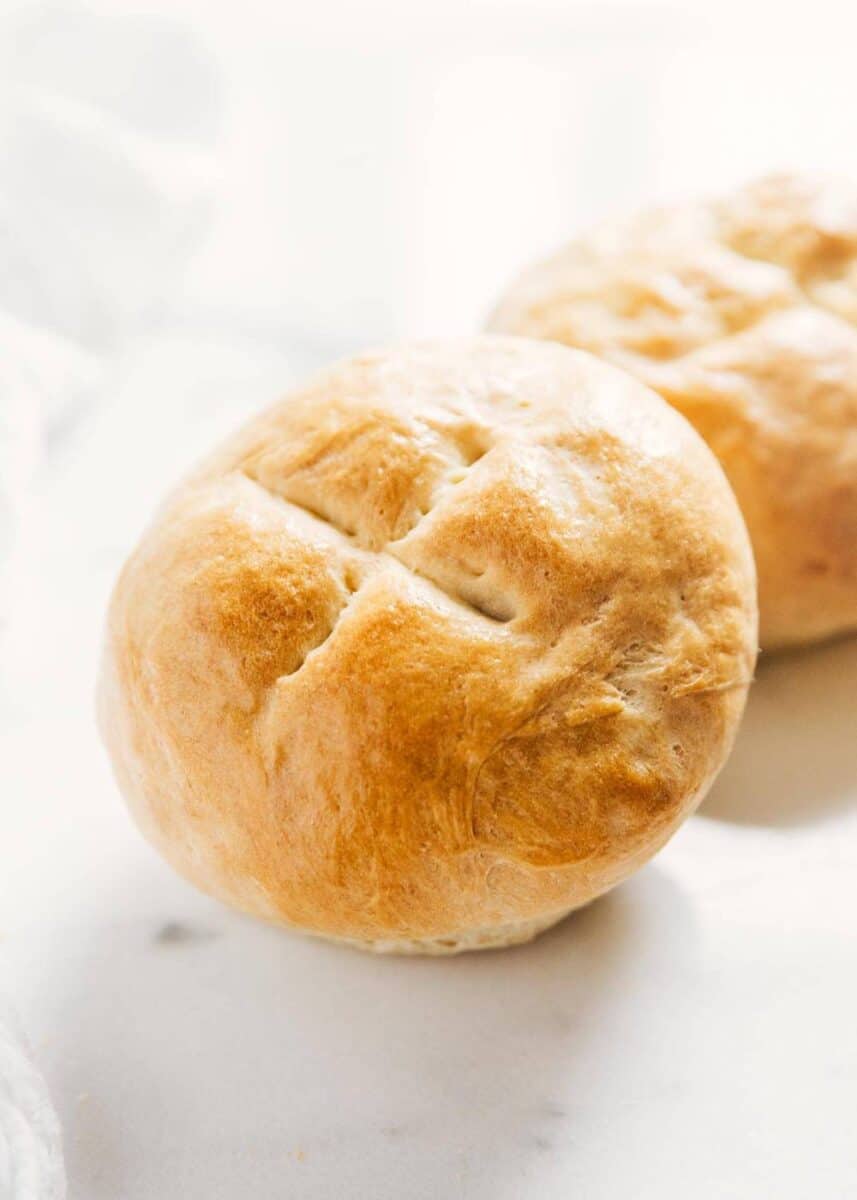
point(436, 650)
point(742, 314)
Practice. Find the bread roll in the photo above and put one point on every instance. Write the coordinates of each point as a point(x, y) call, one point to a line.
point(742, 313)
point(436, 650)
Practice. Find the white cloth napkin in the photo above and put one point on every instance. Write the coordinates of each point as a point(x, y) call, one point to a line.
point(108, 133)
point(31, 1161)
point(108, 136)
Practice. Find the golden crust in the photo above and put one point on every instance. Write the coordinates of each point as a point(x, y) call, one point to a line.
point(742, 314)
point(441, 647)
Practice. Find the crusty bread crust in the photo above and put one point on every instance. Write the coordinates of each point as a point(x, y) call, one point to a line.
point(439, 648)
point(742, 314)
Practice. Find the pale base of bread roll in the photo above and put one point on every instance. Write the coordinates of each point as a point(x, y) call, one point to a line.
point(489, 937)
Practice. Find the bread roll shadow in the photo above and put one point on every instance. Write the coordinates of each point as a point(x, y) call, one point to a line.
point(304, 1068)
point(795, 758)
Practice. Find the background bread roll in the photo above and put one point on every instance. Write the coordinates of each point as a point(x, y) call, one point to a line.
point(741, 313)
point(436, 650)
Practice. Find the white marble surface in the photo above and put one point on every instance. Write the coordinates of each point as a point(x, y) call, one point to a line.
point(692, 1034)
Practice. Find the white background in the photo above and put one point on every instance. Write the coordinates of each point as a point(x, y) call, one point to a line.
point(198, 203)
